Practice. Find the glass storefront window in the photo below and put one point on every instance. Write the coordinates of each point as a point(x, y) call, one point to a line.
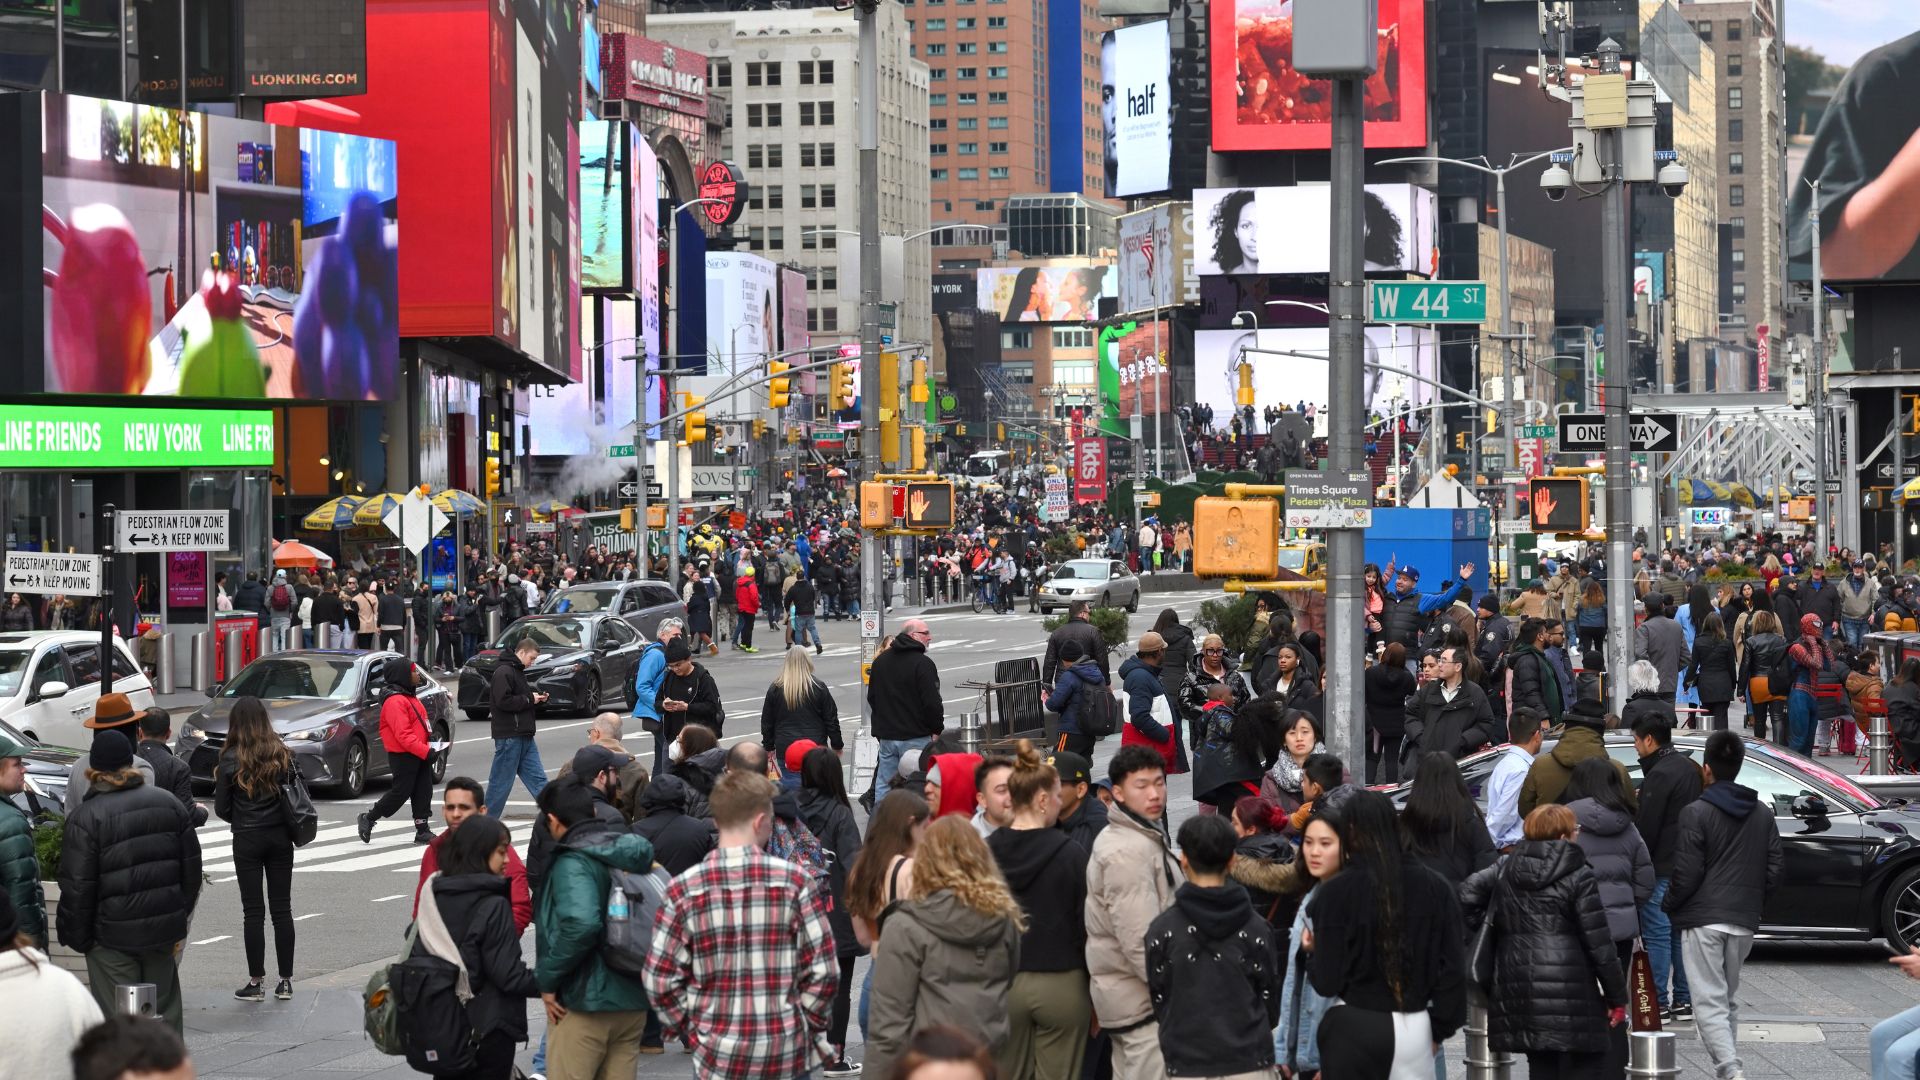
point(32, 503)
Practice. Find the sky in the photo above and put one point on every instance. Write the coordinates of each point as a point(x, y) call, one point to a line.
point(1841, 30)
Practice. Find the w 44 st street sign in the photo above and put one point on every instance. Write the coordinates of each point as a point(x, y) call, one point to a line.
point(1427, 301)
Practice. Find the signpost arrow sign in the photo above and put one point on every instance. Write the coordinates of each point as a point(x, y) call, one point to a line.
point(1651, 433)
point(41, 572)
point(172, 530)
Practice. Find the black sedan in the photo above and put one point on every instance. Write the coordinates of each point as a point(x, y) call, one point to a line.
point(586, 662)
point(325, 703)
point(1852, 858)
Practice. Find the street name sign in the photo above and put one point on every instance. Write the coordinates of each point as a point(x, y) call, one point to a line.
point(171, 530)
point(620, 449)
point(1328, 500)
point(48, 573)
point(1651, 433)
point(1537, 431)
point(1427, 301)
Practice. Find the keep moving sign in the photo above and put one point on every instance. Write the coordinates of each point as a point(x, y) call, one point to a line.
point(49, 574)
point(1134, 101)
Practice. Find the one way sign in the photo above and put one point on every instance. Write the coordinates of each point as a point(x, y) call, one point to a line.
point(1651, 433)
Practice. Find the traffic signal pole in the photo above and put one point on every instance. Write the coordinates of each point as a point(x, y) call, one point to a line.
point(1346, 294)
point(1616, 273)
point(871, 574)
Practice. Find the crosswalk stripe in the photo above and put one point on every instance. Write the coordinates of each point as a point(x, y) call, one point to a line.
point(222, 849)
point(408, 854)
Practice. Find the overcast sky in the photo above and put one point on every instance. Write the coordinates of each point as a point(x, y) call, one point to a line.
point(1841, 30)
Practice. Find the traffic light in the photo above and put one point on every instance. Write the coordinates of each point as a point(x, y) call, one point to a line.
point(1236, 537)
point(1244, 397)
point(876, 505)
point(841, 386)
point(759, 428)
point(779, 388)
point(918, 445)
point(493, 478)
point(626, 519)
point(696, 421)
point(930, 505)
point(1459, 440)
point(917, 393)
point(1559, 504)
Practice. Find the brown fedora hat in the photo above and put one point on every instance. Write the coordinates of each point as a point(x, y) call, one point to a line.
point(112, 710)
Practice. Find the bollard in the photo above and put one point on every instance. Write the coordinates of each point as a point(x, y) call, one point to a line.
point(1879, 744)
point(326, 636)
point(1650, 1054)
point(411, 639)
point(136, 999)
point(236, 650)
point(296, 637)
point(163, 665)
point(493, 625)
point(202, 661)
point(970, 733)
point(1483, 1062)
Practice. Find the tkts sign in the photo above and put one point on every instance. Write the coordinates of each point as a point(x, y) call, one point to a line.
point(1090, 470)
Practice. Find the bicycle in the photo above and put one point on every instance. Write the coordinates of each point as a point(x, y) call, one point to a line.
point(982, 592)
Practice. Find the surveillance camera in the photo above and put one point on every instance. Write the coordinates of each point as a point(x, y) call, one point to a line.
point(1240, 320)
point(1673, 179)
point(1555, 182)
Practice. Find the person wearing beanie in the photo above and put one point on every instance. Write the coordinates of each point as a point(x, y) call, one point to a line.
point(1076, 690)
point(1496, 633)
point(129, 878)
point(408, 737)
point(47, 1009)
point(688, 694)
point(1583, 737)
point(111, 712)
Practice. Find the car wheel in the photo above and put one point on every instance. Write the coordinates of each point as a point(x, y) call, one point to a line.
point(440, 734)
point(590, 697)
point(1106, 599)
point(477, 714)
point(353, 771)
point(1133, 605)
point(1900, 911)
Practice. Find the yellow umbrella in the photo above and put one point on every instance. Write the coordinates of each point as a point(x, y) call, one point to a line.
point(458, 503)
point(374, 510)
point(1909, 490)
point(333, 514)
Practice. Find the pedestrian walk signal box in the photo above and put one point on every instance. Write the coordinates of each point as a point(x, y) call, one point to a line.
point(913, 505)
point(1236, 538)
point(1559, 504)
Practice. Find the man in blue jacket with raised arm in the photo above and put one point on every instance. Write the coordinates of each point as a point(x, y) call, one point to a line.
point(1403, 615)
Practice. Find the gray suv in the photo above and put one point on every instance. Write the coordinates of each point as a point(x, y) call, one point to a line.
point(642, 603)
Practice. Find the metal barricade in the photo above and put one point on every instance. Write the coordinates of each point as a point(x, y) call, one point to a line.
point(971, 725)
point(1650, 1055)
point(163, 664)
point(1011, 705)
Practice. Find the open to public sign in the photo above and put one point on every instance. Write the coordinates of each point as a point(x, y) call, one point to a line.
point(1090, 470)
point(724, 181)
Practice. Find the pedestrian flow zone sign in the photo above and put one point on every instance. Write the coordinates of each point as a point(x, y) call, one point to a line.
point(1650, 433)
point(171, 530)
point(49, 573)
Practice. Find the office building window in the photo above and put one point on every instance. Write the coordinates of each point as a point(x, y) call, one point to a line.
point(936, 24)
point(809, 196)
point(937, 74)
point(1017, 339)
point(1705, 29)
point(776, 238)
point(996, 73)
point(996, 46)
point(827, 197)
point(1739, 292)
point(969, 148)
point(969, 174)
point(936, 48)
point(997, 148)
point(967, 23)
point(1733, 97)
point(967, 73)
point(996, 97)
point(720, 74)
point(1736, 130)
point(968, 123)
point(998, 172)
point(756, 156)
point(1739, 257)
point(1734, 64)
point(939, 174)
point(937, 123)
point(1736, 163)
point(816, 114)
point(1738, 223)
point(936, 149)
point(1071, 337)
point(767, 74)
point(936, 100)
point(997, 123)
point(968, 48)
point(1737, 195)
point(996, 22)
point(756, 238)
point(767, 115)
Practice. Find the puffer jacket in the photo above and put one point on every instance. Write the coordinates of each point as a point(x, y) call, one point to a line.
point(1727, 859)
point(1862, 689)
point(478, 911)
point(1072, 691)
point(1193, 692)
point(1648, 703)
point(944, 963)
point(20, 871)
point(1712, 669)
point(1215, 987)
point(1387, 691)
point(1263, 865)
point(1555, 969)
point(1180, 654)
point(679, 841)
point(1296, 1041)
point(570, 918)
point(1144, 685)
point(129, 868)
point(1534, 685)
point(1547, 780)
point(1131, 878)
point(1622, 866)
point(245, 812)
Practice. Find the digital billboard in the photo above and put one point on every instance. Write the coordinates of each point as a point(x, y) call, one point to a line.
point(646, 244)
point(1260, 102)
point(743, 323)
point(1135, 107)
point(1861, 158)
point(1043, 293)
point(1139, 355)
point(954, 292)
point(1290, 368)
point(1155, 267)
point(1259, 230)
point(606, 206)
point(291, 257)
point(793, 311)
point(535, 97)
point(301, 48)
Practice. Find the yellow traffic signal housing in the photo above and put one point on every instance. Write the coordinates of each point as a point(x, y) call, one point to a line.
point(779, 388)
point(1244, 396)
point(841, 386)
point(656, 516)
point(876, 505)
point(930, 505)
point(917, 393)
point(1559, 504)
point(696, 422)
point(1236, 537)
point(759, 429)
point(626, 519)
point(918, 437)
point(493, 477)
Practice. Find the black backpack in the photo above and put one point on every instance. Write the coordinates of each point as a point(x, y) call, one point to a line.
point(1099, 710)
point(435, 1033)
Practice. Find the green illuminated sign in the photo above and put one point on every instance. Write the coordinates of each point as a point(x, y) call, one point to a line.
point(90, 437)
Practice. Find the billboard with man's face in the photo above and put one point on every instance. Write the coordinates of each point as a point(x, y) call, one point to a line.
point(1868, 173)
point(1135, 103)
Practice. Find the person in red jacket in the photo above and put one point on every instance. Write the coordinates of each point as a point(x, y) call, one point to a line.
point(405, 734)
point(746, 595)
point(461, 799)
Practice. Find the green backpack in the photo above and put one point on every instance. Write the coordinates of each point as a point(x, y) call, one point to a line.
point(382, 1012)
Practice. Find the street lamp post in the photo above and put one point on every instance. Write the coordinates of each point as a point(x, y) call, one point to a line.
point(672, 470)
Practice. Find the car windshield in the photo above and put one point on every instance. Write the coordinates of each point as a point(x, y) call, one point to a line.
point(296, 677)
point(13, 668)
point(548, 634)
point(1825, 776)
point(1293, 559)
point(1083, 570)
point(580, 601)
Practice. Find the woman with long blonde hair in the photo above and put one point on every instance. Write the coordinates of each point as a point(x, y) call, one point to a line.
point(246, 795)
point(950, 950)
point(798, 707)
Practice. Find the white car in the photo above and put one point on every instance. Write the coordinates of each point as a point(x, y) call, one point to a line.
point(50, 680)
point(1100, 582)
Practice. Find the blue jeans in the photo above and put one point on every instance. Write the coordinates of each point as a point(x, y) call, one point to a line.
point(1896, 1046)
point(1663, 952)
point(866, 991)
point(1854, 630)
point(890, 751)
point(1803, 719)
point(513, 757)
point(804, 625)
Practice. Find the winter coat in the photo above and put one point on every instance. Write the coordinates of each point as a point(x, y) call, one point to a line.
point(171, 774)
point(1218, 761)
point(1856, 602)
point(1180, 654)
point(702, 696)
point(1669, 782)
point(1387, 689)
point(944, 963)
point(1563, 595)
point(20, 873)
point(364, 607)
point(647, 674)
point(478, 911)
point(1297, 1041)
point(746, 596)
point(1047, 872)
point(1464, 854)
point(1662, 642)
point(1088, 821)
point(816, 719)
point(1072, 692)
point(831, 822)
point(1863, 689)
point(1645, 703)
point(403, 726)
point(698, 773)
point(1534, 684)
point(1093, 648)
point(570, 919)
point(243, 811)
point(541, 844)
point(1823, 601)
point(1622, 866)
point(1726, 861)
point(1193, 693)
point(1130, 881)
point(1555, 969)
point(393, 609)
point(1712, 669)
point(903, 692)
point(679, 840)
point(512, 701)
point(47, 1011)
point(1215, 984)
point(1548, 778)
point(129, 868)
point(1346, 964)
point(1259, 862)
point(1457, 727)
point(1144, 685)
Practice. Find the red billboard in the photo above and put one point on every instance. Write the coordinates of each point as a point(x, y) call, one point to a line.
point(1090, 470)
point(1260, 102)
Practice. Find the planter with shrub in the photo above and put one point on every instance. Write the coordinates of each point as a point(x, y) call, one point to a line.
point(46, 845)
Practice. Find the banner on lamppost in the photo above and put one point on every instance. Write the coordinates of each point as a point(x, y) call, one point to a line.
point(1090, 470)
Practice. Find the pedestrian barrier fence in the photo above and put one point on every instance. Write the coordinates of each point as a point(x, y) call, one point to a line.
point(1010, 707)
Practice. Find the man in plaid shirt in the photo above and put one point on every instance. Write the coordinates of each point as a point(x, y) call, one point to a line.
point(742, 963)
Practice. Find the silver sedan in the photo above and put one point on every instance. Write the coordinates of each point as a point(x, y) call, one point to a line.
point(1101, 582)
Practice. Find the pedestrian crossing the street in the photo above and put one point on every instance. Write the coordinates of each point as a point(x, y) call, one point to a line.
point(335, 849)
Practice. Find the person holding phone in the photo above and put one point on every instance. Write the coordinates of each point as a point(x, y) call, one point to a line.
point(515, 702)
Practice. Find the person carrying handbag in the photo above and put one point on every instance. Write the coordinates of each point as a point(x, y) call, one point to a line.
point(253, 766)
point(1151, 715)
point(408, 739)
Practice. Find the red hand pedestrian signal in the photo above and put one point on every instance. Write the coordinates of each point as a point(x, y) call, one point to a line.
point(1559, 504)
